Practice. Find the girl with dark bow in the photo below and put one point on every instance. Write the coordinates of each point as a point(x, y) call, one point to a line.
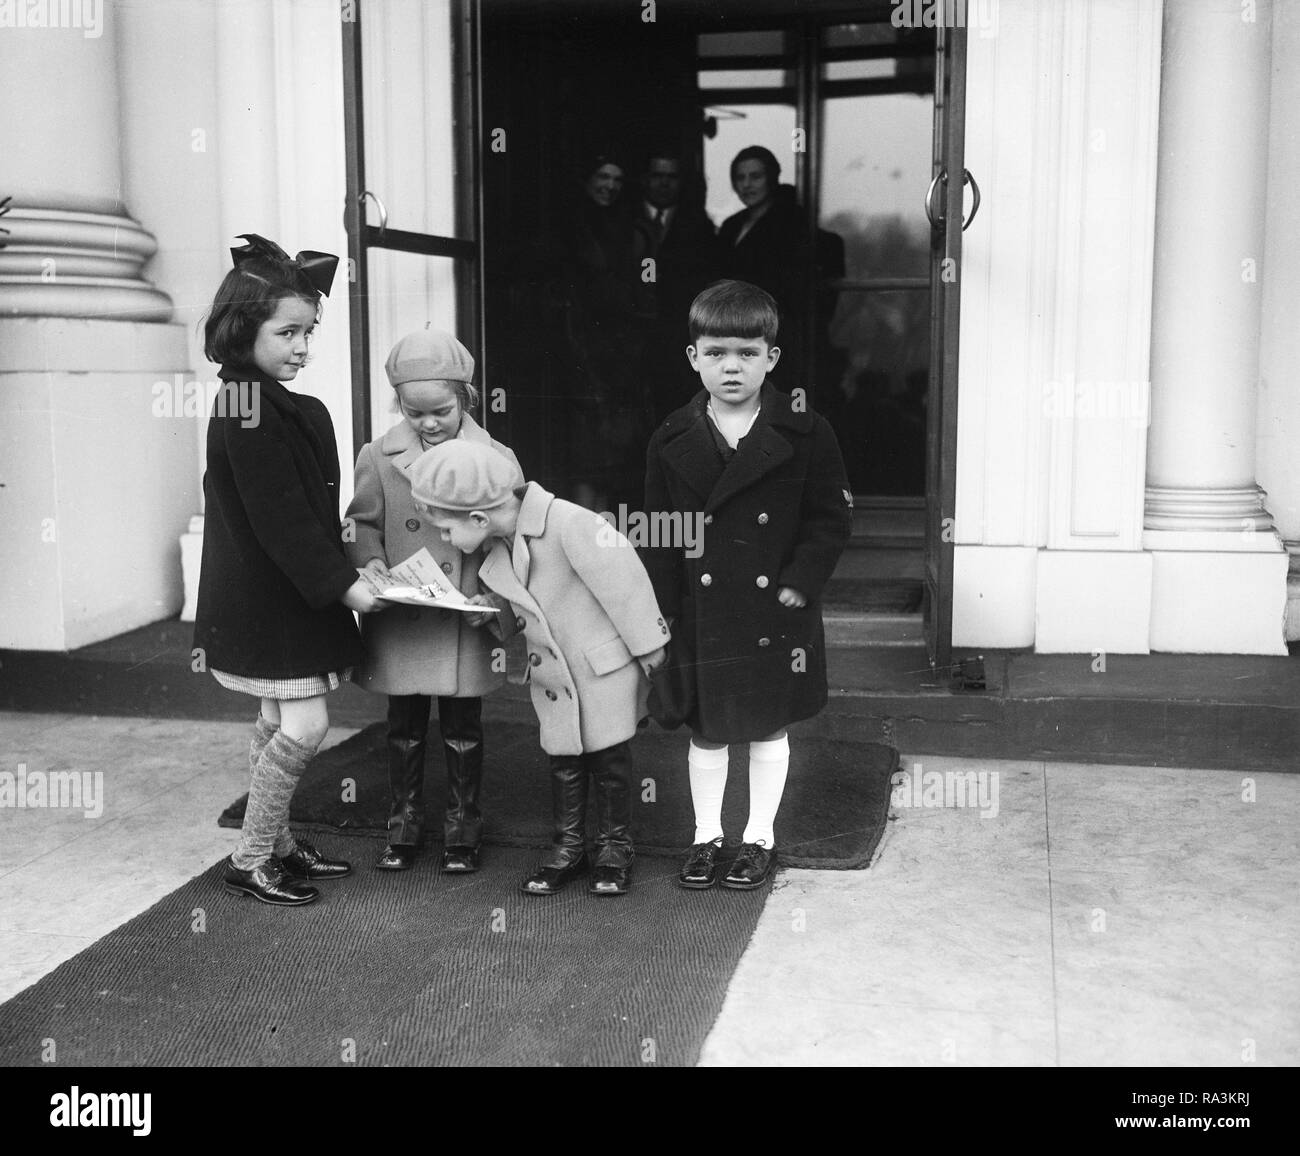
point(276, 590)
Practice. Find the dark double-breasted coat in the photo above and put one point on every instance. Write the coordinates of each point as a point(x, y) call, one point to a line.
point(777, 514)
point(273, 566)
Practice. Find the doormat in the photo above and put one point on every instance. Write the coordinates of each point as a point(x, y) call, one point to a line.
point(409, 968)
point(832, 815)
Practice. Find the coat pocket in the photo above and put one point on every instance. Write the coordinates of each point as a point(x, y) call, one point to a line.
point(609, 656)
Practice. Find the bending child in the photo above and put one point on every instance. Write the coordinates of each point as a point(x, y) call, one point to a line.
point(580, 594)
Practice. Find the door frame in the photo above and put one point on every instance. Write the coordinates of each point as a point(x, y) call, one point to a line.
point(466, 248)
point(945, 298)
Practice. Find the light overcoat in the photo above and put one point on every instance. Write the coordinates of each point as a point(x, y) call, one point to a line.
point(412, 649)
point(583, 599)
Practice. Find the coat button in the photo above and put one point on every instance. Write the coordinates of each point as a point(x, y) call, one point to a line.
point(551, 695)
point(519, 624)
point(706, 579)
point(412, 524)
point(708, 519)
point(761, 581)
point(762, 519)
point(446, 567)
point(535, 660)
point(764, 642)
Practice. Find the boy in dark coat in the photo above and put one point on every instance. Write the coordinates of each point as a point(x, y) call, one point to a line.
point(762, 480)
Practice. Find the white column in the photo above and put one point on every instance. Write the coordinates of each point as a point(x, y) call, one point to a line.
point(1218, 566)
point(1279, 394)
point(72, 251)
point(99, 485)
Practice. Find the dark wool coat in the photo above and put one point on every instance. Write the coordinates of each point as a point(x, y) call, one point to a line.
point(274, 567)
point(778, 514)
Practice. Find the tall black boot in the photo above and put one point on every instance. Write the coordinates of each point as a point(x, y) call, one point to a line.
point(460, 721)
point(408, 725)
point(568, 857)
point(611, 770)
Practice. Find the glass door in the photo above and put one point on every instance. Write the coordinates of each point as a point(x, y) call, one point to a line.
point(410, 116)
point(944, 206)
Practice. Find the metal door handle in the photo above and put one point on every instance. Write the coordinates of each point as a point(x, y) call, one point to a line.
point(967, 179)
point(383, 212)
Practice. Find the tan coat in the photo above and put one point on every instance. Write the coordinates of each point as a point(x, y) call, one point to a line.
point(410, 649)
point(585, 604)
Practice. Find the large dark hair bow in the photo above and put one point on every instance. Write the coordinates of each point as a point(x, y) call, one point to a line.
point(318, 267)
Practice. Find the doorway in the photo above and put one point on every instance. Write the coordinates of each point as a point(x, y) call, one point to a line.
point(540, 92)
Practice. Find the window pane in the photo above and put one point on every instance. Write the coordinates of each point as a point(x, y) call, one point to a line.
point(876, 375)
point(407, 291)
point(875, 169)
point(766, 43)
point(408, 111)
point(884, 67)
point(861, 35)
point(746, 78)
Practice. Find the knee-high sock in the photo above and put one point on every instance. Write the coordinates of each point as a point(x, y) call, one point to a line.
point(768, 763)
point(274, 779)
point(708, 784)
point(263, 732)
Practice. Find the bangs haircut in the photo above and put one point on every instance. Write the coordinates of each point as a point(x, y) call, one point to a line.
point(249, 295)
point(467, 393)
point(734, 309)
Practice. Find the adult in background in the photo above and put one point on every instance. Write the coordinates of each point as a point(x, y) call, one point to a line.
point(765, 244)
point(604, 414)
point(673, 230)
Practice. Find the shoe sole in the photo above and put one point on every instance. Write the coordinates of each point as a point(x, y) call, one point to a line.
point(236, 890)
point(739, 885)
point(696, 886)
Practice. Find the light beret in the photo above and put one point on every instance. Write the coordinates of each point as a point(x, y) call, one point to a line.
point(429, 355)
point(463, 475)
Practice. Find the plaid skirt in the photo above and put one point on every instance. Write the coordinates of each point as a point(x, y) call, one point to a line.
point(283, 689)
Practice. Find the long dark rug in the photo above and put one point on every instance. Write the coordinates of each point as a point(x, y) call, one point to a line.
point(407, 969)
point(832, 816)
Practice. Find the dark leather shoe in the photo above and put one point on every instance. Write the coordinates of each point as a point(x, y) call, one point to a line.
point(459, 860)
point(547, 880)
point(752, 868)
point(308, 863)
point(700, 871)
point(270, 883)
point(610, 880)
point(396, 857)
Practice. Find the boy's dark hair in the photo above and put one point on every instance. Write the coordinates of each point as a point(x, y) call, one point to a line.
point(734, 309)
point(249, 294)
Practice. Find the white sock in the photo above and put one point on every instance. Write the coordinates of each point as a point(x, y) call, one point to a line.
point(708, 785)
point(768, 763)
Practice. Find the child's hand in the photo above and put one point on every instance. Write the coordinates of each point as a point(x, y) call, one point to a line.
point(653, 661)
point(789, 596)
point(359, 598)
point(480, 619)
point(378, 567)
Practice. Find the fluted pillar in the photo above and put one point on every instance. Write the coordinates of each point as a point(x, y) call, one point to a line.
point(72, 250)
point(1218, 566)
point(98, 476)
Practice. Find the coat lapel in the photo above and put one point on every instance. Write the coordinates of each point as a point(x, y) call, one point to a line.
point(691, 454)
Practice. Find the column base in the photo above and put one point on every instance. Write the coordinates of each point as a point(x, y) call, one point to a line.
point(1218, 603)
point(100, 484)
point(1092, 600)
point(993, 596)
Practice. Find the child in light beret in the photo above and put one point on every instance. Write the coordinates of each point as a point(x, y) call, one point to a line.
point(416, 654)
point(580, 594)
